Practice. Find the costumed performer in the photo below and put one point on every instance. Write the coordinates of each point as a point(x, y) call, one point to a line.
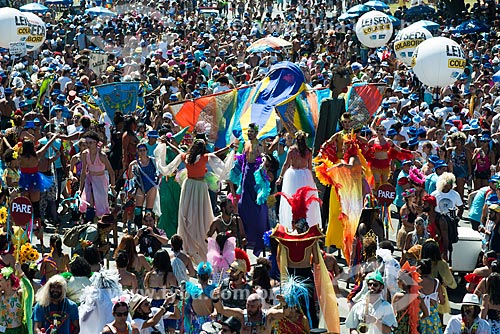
point(299, 252)
point(296, 322)
point(198, 306)
point(250, 178)
point(297, 173)
point(382, 151)
point(195, 207)
point(346, 198)
point(406, 303)
point(221, 255)
point(94, 184)
point(95, 310)
point(170, 190)
point(16, 300)
point(31, 181)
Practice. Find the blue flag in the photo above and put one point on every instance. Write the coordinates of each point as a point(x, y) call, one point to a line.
point(119, 96)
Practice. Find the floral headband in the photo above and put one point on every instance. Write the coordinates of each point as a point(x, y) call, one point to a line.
point(409, 192)
point(121, 299)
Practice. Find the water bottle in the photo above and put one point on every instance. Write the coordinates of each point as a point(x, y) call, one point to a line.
point(483, 237)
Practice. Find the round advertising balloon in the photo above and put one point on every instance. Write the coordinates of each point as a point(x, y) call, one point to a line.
point(374, 29)
point(14, 26)
point(407, 40)
point(37, 32)
point(438, 61)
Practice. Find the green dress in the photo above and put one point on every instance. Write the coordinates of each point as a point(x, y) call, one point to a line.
point(403, 323)
point(170, 192)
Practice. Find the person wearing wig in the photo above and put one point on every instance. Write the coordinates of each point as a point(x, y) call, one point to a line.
point(12, 306)
point(96, 306)
point(417, 181)
point(297, 173)
point(407, 303)
point(198, 307)
point(195, 207)
point(298, 254)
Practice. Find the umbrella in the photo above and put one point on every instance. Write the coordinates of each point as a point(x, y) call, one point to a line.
point(99, 11)
point(268, 44)
point(34, 7)
point(496, 77)
point(419, 10)
point(471, 27)
point(429, 25)
point(358, 9)
point(395, 21)
point(347, 16)
point(377, 4)
point(56, 2)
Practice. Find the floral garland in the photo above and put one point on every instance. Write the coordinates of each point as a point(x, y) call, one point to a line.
point(471, 330)
point(27, 253)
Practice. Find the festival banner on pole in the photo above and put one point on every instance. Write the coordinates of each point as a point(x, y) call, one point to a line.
point(362, 101)
point(118, 96)
point(98, 62)
point(215, 110)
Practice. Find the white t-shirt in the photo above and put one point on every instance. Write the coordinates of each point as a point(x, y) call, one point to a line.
point(159, 326)
point(446, 201)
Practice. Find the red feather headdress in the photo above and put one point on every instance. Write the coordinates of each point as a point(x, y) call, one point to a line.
point(243, 262)
point(300, 201)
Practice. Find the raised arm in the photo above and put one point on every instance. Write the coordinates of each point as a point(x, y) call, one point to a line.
point(42, 151)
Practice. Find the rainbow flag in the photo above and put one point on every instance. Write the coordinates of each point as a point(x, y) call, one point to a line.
point(216, 110)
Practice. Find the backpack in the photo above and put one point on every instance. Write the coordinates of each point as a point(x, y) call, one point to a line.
point(72, 236)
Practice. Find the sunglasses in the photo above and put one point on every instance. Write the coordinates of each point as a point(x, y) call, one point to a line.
point(374, 284)
point(121, 314)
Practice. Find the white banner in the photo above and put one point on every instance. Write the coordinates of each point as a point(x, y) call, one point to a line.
point(98, 62)
point(17, 48)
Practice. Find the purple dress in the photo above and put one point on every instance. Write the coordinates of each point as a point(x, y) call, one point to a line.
point(253, 215)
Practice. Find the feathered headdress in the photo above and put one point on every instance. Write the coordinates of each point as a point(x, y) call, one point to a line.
point(411, 278)
point(295, 289)
point(300, 201)
point(241, 261)
point(417, 176)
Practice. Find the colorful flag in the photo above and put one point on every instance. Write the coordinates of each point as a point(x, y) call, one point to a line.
point(47, 80)
point(362, 101)
point(211, 109)
point(119, 96)
point(284, 82)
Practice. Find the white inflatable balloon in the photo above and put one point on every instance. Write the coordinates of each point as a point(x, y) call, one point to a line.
point(407, 40)
point(374, 29)
point(14, 26)
point(37, 32)
point(438, 61)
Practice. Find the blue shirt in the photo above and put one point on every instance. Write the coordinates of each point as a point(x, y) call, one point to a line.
point(399, 201)
point(430, 183)
point(52, 150)
point(65, 313)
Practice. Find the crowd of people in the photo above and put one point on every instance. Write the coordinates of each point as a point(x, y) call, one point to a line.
point(192, 213)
